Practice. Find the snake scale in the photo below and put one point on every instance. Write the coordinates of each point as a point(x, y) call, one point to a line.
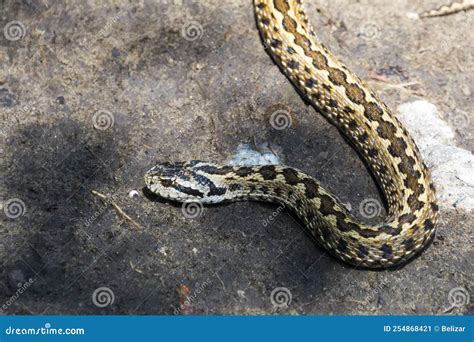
point(362, 117)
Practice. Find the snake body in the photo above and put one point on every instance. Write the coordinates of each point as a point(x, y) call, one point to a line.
point(362, 117)
point(451, 8)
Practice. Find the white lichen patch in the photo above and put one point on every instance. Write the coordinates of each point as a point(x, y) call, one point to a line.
point(452, 167)
point(244, 155)
point(424, 124)
point(413, 15)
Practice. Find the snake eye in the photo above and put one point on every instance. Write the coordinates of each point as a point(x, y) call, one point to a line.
point(167, 182)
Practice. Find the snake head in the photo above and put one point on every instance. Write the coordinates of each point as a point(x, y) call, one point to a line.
point(183, 181)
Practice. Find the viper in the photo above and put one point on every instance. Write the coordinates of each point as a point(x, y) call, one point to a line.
point(370, 126)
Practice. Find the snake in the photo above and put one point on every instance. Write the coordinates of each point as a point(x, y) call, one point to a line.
point(360, 115)
point(451, 8)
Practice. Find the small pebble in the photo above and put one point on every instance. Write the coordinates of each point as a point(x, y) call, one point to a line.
point(115, 52)
point(133, 194)
point(413, 15)
point(164, 250)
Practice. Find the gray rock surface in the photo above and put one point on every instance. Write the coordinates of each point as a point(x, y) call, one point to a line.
point(92, 94)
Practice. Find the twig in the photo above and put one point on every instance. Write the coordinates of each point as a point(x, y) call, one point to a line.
point(392, 85)
point(401, 86)
point(117, 208)
point(133, 267)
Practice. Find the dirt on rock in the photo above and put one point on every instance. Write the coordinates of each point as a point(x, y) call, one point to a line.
point(94, 94)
